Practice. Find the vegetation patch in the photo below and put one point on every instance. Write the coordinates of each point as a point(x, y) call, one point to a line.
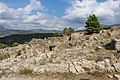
point(15, 44)
point(25, 71)
point(93, 25)
point(2, 72)
point(68, 31)
point(26, 42)
point(97, 73)
point(3, 46)
point(4, 56)
point(56, 34)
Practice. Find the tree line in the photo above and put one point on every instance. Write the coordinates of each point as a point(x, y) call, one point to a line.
point(92, 26)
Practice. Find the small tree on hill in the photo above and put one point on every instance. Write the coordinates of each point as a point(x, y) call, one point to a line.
point(93, 25)
point(68, 31)
point(65, 32)
point(56, 34)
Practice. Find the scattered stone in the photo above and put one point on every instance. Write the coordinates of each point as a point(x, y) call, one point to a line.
point(76, 55)
point(117, 67)
point(117, 76)
point(110, 76)
point(116, 44)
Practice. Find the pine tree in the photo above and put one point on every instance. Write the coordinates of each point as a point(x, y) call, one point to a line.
point(68, 31)
point(93, 25)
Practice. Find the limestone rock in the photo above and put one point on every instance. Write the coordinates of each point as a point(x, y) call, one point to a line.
point(89, 65)
point(117, 76)
point(117, 66)
point(116, 44)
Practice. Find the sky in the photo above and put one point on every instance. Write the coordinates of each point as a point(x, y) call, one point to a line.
point(56, 14)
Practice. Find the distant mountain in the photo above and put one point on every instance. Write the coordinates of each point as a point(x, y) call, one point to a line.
point(109, 26)
point(6, 32)
point(104, 27)
point(44, 31)
point(21, 38)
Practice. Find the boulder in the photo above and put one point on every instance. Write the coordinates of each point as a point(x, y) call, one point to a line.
point(116, 44)
point(117, 66)
point(87, 65)
point(117, 76)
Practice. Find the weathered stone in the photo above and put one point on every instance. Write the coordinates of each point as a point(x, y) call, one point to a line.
point(110, 76)
point(117, 76)
point(117, 67)
point(1, 72)
point(88, 65)
point(116, 44)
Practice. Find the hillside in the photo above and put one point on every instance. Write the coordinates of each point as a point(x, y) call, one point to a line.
point(21, 38)
point(7, 32)
point(75, 57)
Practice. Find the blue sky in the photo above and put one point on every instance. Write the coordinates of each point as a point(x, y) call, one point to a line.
point(55, 7)
point(56, 14)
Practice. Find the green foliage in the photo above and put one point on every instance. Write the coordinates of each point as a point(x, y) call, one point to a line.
point(15, 44)
point(65, 32)
point(25, 71)
point(4, 56)
point(93, 25)
point(26, 42)
point(3, 46)
point(56, 34)
point(68, 31)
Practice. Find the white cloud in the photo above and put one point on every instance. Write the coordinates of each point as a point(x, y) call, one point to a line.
point(23, 17)
point(2, 5)
point(46, 21)
point(108, 11)
point(34, 5)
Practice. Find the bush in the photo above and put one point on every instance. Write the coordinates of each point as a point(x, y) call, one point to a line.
point(4, 56)
point(15, 44)
point(3, 46)
point(56, 34)
point(26, 42)
point(93, 25)
point(25, 71)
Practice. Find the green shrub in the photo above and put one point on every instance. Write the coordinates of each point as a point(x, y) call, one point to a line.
point(15, 44)
point(4, 56)
point(56, 34)
point(26, 42)
point(25, 71)
point(93, 25)
point(3, 46)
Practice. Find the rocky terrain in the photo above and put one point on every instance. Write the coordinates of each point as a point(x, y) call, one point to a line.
point(75, 57)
